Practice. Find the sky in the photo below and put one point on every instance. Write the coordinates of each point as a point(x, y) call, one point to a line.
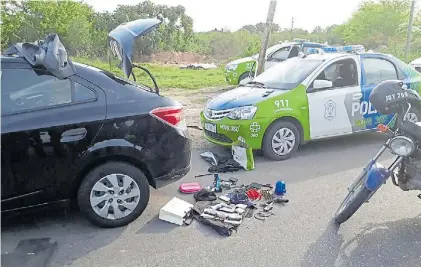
point(233, 14)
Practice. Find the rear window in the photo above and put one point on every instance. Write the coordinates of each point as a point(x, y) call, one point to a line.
point(125, 82)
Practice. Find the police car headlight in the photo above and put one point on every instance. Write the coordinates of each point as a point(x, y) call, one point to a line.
point(243, 113)
point(231, 67)
point(402, 146)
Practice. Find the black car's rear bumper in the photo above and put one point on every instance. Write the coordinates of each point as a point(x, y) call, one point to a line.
point(171, 177)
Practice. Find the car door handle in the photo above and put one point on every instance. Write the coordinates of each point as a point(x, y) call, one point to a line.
point(73, 135)
point(357, 96)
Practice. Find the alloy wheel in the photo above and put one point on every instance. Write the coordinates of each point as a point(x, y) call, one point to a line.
point(283, 141)
point(114, 196)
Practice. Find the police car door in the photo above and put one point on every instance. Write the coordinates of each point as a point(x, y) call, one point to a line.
point(375, 69)
point(331, 94)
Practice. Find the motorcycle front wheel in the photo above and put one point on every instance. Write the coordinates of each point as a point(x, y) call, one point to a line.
point(352, 202)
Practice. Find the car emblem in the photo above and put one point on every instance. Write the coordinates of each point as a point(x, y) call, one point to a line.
point(330, 110)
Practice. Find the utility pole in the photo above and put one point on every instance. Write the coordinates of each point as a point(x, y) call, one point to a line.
point(292, 27)
point(269, 21)
point(409, 34)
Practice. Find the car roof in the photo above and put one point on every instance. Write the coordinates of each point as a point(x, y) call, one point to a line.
point(86, 71)
point(12, 59)
point(328, 55)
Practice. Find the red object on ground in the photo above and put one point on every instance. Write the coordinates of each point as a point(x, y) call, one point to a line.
point(188, 188)
point(253, 194)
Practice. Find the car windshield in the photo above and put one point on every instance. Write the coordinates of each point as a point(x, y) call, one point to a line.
point(271, 49)
point(288, 74)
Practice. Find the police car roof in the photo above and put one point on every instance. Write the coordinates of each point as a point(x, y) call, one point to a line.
point(328, 55)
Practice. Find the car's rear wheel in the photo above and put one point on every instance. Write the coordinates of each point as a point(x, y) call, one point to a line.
point(281, 140)
point(113, 194)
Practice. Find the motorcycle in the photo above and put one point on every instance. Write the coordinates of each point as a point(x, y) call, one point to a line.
point(389, 97)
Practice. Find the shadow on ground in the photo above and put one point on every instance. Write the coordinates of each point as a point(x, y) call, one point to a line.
point(34, 234)
point(389, 244)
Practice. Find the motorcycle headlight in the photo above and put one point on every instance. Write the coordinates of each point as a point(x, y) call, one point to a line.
point(243, 113)
point(402, 146)
point(231, 67)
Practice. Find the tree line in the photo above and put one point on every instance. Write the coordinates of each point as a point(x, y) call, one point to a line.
point(379, 25)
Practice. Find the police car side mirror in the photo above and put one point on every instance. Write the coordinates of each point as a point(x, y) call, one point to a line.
point(321, 84)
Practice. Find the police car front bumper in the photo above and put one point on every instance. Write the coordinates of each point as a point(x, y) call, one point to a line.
point(225, 131)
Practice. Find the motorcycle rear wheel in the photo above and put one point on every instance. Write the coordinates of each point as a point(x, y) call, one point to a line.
point(352, 202)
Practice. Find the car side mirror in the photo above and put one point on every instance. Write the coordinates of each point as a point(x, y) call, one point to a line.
point(322, 84)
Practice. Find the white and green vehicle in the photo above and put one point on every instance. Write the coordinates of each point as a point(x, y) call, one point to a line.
point(240, 69)
point(305, 98)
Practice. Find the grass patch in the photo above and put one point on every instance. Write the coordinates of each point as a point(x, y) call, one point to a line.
point(168, 76)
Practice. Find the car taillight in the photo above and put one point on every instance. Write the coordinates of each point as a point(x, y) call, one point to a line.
point(170, 115)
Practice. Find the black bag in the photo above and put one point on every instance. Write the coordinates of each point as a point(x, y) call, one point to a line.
point(204, 195)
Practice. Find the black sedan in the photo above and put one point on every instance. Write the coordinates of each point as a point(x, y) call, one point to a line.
point(90, 136)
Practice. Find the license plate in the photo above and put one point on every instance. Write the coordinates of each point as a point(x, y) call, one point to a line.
point(210, 127)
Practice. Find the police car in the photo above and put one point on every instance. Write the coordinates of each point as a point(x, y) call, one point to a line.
point(306, 98)
point(238, 70)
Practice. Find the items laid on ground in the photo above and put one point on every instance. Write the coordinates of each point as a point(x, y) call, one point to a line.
point(241, 158)
point(175, 211)
point(226, 212)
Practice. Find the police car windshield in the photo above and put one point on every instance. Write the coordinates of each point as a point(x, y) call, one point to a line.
point(271, 49)
point(288, 74)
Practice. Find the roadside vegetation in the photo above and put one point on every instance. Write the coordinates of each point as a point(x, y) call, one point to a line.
point(378, 25)
point(168, 76)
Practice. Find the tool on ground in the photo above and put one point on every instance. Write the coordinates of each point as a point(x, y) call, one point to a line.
point(202, 175)
point(227, 209)
point(258, 186)
point(266, 194)
point(228, 184)
point(280, 188)
point(261, 215)
point(280, 200)
point(217, 183)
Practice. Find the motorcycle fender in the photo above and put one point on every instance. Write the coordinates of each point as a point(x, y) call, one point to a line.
point(376, 176)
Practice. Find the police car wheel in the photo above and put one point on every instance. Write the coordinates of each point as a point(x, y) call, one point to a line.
point(281, 140)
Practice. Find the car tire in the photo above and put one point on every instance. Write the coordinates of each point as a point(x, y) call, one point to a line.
point(269, 141)
point(243, 76)
point(97, 178)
